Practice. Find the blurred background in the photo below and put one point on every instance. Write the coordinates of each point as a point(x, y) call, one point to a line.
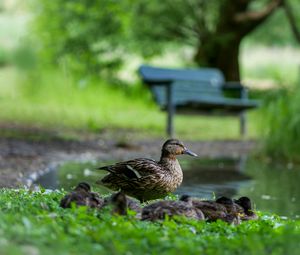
point(71, 66)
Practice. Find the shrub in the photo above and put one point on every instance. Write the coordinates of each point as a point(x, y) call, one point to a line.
point(281, 123)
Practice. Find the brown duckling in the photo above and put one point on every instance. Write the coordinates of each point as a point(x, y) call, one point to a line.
point(146, 179)
point(161, 209)
point(82, 196)
point(231, 207)
point(214, 211)
point(249, 214)
point(121, 203)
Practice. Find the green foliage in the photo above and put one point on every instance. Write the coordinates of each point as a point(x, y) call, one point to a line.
point(95, 36)
point(33, 221)
point(167, 21)
point(24, 57)
point(276, 36)
point(281, 122)
point(73, 32)
point(90, 36)
point(4, 59)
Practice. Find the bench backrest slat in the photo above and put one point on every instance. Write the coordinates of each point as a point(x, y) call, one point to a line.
point(153, 74)
point(188, 84)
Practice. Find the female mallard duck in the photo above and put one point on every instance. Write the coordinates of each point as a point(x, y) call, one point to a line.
point(215, 211)
point(245, 202)
point(168, 208)
point(146, 179)
point(82, 196)
point(120, 203)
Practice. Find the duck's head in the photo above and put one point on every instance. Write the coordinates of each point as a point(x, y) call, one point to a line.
point(186, 198)
point(83, 186)
point(173, 147)
point(244, 202)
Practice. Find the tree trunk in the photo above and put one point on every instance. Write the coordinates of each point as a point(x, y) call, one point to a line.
point(220, 48)
point(222, 55)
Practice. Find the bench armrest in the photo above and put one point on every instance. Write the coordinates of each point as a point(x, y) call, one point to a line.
point(236, 86)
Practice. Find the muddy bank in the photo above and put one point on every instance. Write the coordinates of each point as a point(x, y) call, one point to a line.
point(21, 157)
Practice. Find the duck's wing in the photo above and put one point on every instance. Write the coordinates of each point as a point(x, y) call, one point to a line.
point(73, 197)
point(133, 169)
point(208, 205)
point(238, 209)
point(133, 205)
point(94, 200)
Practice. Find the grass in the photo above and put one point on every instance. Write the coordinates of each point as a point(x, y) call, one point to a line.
point(55, 100)
point(33, 223)
point(282, 126)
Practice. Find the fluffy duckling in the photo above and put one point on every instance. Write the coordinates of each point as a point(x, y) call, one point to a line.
point(121, 203)
point(146, 179)
point(215, 211)
point(161, 209)
point(82, 196)
point(245, 203)
point(231, 207)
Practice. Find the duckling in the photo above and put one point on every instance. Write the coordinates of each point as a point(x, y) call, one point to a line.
point(120, 203)
point(245, 202)
point(231, 207)
point(214, 211)
point(82, 196)
point(146, 179)
point(159, 210)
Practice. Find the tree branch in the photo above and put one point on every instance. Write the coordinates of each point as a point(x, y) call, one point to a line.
point(291, 19)
point(257, 16)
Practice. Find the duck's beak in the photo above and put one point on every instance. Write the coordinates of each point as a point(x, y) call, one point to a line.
point(188, 152)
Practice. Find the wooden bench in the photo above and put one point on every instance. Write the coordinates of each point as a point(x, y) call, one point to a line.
point(200, 90)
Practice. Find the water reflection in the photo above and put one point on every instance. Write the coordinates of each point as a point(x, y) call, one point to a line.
point(210, 178)
point(272, 188)
point(276, 188)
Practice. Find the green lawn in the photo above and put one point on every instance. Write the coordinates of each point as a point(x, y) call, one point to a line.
point(33, 223)
point(54, 100)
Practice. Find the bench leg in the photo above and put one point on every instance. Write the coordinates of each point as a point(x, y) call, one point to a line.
point(171, 111)
point(243, 127)
point(170, 123)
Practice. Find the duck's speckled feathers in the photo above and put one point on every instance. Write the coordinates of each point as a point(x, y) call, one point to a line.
point(162, 209)
point(120, 203)
point(231, 207)
point(132, 169)
point(245, 203)
point(146, 179)
point(82, 196)
point(215, 211)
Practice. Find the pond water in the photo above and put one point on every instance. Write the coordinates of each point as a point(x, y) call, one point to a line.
point(273, 189)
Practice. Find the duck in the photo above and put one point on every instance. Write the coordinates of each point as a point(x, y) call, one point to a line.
point(120, 204)
point(147, 179)
point(214, 211)
point(82, 196)
point(169, 208)
point(231, 207)
point(245, 203)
